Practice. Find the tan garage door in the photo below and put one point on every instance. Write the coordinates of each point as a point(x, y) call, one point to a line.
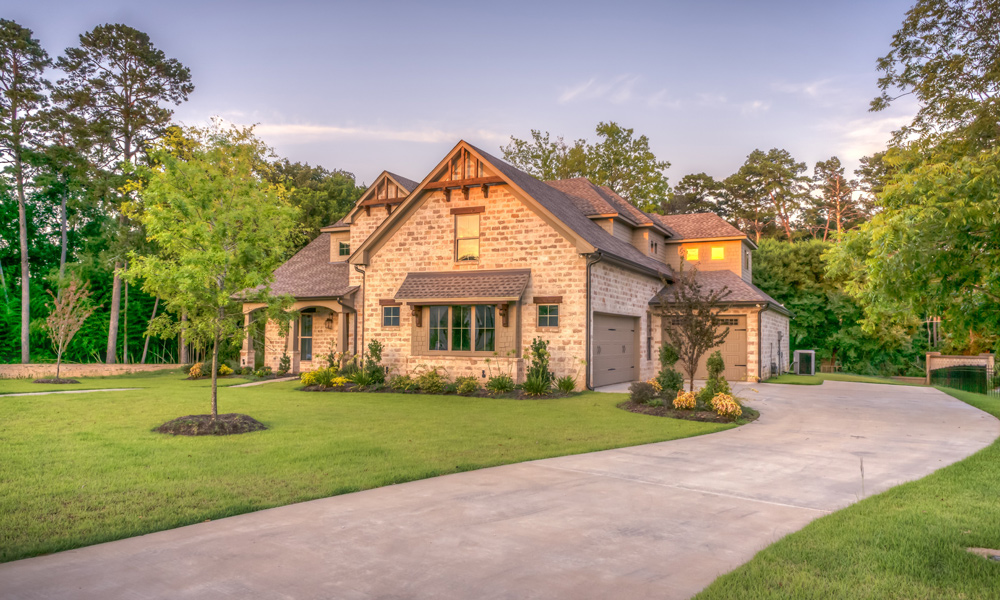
point(614, 349)
point(734, 351)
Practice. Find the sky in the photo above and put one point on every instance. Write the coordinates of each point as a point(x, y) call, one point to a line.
point(367, 86)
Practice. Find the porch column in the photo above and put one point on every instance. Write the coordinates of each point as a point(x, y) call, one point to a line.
point(342, 331)
point(247, 341)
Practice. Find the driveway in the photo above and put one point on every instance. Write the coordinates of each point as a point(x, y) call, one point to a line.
point(654, 521)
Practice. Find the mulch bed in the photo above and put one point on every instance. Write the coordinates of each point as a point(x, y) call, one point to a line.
point(54, 380)
point(705, 416)
point(481, 393)
point(227, 424)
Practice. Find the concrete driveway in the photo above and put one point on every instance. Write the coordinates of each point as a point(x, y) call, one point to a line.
point(654, 521)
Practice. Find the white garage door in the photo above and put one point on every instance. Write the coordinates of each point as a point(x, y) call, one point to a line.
point(615, 354)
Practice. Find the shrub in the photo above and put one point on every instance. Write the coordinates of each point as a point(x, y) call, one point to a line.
point(225, 370)
point(500, 384)
point(655, 403)
point(716, 383)
point(308, 379)
point(195, 371)
point(349, 368)
point(641, 392)
point(264, 371)
point(373, 364)
point(284, 365)
point(364, 378)
point(538, 369)
point(669, 379)
point(566, 384)
point(725, 405)
point(467, 386)
point(402, 383)
point(685, 401)
point(432, 382)
point(537, 383)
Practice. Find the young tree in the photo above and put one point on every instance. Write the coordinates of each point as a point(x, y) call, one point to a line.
point(22, 62)
point(692, 314)
point(117, 83)
point(620, 160)
point(220, 229)
point(67, 312)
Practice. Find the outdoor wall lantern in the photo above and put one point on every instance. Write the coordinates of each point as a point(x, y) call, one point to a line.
point(328, 323)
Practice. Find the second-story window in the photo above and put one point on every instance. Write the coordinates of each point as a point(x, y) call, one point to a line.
point(466, 237)
point(692, 254)
point(718, 252)
point(345, 249)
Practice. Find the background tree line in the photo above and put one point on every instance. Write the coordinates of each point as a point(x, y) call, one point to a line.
point(863, 261)
point(75, 134)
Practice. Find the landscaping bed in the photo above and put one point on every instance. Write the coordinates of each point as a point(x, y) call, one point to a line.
point(704, 416)
point(227, 424)
point(479, 393)
point(56, 380)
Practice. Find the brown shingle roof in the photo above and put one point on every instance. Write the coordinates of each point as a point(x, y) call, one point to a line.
point(565, 209)
point(699, 225)
point(405, 182)
point(594, 199)
point(741, 292)
point(310, 274)
point(464, 284)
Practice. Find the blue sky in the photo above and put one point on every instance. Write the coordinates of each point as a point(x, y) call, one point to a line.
point(366, 86)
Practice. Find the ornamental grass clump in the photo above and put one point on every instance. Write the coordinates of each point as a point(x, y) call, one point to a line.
point(566, 384)
point(685, 401)
point(467, 386)
point(642, 392)
point(725, 405)
point(402, 383)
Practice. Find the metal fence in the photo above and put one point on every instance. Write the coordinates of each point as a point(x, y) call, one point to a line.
point(968, 378)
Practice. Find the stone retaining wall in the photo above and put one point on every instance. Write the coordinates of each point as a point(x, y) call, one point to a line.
point(37, 370)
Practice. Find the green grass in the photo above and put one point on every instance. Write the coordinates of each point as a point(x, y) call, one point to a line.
point(171, 378)
point(908, 542)
point(819, 378)
point(78, 469)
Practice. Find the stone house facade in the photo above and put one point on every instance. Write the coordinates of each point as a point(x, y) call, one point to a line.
point(463, 269)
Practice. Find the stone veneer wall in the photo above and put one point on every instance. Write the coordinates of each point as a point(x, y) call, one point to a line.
point(276, 345)
point(37, 370)
point(774, 338)
point(617, 291)
point(752, 355)
point(512, 236)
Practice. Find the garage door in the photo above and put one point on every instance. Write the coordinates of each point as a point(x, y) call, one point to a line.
point(734, 350)
point(615, 353)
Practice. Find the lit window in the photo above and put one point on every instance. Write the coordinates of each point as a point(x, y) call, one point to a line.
point(718, 253)
point(345, 249)
point(548, 315)
point(390, 316)
point(692, 254)
point(466, 237)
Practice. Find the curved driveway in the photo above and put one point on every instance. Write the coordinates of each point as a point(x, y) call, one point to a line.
point(657, 521)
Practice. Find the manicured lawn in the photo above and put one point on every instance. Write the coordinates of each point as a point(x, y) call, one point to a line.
point(908, 542)
point(819, 378)
point(172, 378)
point(79, 469)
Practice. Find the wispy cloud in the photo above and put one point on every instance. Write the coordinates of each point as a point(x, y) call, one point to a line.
point(662, 98)
point(621, 89)
point(809, 89)
point(754, 107)
point(856, 138)
point(711, 99)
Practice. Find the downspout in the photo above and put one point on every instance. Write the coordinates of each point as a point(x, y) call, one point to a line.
point(760, 338)
point(590, 319)
point(359, 318)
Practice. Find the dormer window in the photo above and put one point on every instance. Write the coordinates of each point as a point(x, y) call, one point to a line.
point(345, 249)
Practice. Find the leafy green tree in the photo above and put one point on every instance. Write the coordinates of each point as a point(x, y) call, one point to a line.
point(221, 229)
point(322, 197)
point(770, 184)
point(694, 193)
point(833, 202)
point(117, 84)
point(945, 54)
point(620, 160)
point(22, 63)
point(746, 204)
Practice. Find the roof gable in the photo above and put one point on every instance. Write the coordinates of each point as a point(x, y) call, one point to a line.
point(387, 189)
point(698, 225)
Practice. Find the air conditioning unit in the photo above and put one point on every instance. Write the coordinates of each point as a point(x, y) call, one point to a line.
point(804, 362)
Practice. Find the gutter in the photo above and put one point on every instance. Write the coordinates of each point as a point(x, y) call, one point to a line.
point(359, 319)
point(590, 320)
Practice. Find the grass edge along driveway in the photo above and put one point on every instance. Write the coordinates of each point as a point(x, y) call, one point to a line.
point(80, 469)
point(907, 542)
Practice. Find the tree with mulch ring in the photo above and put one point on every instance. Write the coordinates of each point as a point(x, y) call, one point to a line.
point(67, 312)
point(227, 424)
point(705, 416)
point(59, 380)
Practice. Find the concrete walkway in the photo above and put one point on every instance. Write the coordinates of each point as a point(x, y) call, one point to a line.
point(654, 521)
point(67, 392)
point(276, 380)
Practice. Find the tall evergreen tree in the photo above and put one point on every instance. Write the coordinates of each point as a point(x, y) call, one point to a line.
point(118, 84)
point(22, 62)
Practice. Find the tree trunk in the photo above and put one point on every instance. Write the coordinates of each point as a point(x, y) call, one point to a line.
point(145, 346)
point(22, 217)
point(116, 301)
point(58, 363)
point(63, 229)
point(3, 284)
point(182, 351)
point(215, 374)
point(125, 324)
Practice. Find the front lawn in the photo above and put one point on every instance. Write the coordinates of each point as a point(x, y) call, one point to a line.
point(819, 378)
point(172, 378)
point(78, 469)
point(908, 542)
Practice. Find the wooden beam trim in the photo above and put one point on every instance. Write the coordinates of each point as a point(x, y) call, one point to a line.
point(389, 302)
point(459, 183)
point(547, 300)
point(468, 210)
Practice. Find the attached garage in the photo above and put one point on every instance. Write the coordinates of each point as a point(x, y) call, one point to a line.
point(734, 349)
point(615, 350)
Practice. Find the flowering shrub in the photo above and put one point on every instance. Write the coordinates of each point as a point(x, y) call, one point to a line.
point(656, 385)
point(195, 371)
point(324, 378)
point(725, 405)
point(467, 385)
point(225, 370)
point(685, 400)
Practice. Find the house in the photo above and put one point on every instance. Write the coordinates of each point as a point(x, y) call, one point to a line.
point(464, 268)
